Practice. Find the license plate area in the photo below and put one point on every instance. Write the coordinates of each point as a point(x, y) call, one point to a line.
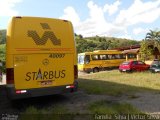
point(45, 83)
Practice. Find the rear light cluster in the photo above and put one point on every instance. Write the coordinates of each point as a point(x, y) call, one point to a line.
point(21, 91)
point(10, 75)
point(70, 86)
point(75, 72)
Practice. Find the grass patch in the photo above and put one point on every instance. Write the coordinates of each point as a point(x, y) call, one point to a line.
point(116, 83)
point(112, 107)
point(113, 110)
point(101, 87)
point(53, 113)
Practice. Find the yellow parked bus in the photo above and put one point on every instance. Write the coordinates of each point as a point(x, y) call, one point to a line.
point(41, 57)
point(101, 60)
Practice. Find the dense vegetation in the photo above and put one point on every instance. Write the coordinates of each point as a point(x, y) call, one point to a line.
point(2, 37)
point(2, 45)
point(149, 44)
point(101, 43)
point(2, 51)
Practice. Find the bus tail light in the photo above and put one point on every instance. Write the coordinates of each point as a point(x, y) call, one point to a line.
point(75, 72)
point(70, 86)
point(10, 75)
point(21, 91)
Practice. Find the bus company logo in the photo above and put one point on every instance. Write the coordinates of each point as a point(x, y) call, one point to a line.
point(45, 62)
point(48, 34)
point(45, 75)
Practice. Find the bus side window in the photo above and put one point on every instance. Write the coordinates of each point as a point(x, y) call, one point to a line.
point(87, 59)
point(117, 56)
point(113, 57)
point(94, 57)
point(109, 57)
point(103, 57)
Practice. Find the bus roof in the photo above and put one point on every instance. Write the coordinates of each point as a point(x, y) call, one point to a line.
point(106, 51)
point(102, 52)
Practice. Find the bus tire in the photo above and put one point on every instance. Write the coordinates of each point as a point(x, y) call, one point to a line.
point(95, 70)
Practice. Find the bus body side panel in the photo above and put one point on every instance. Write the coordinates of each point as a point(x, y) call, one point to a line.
point(100, 64)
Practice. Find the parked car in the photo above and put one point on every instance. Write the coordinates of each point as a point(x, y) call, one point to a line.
point(130, 66)
point(155, 68)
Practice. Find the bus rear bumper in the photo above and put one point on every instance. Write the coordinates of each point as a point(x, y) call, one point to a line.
point(13, 94)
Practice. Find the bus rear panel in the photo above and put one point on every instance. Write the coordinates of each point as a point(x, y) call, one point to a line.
point(41, 57)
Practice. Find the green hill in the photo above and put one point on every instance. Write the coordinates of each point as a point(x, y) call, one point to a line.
point(101, 43)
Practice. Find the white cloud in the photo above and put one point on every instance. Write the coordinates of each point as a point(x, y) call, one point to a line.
point(139, 12)
point(98, 24)
point(96, 12)
point(7, 7)
point(113, 8)
point(70, 14)
point(139, 30)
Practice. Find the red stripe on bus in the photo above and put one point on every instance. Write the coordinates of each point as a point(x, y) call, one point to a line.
point(43, 49)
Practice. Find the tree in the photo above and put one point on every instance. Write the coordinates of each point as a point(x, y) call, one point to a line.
point(154, 38)
point(2, 36)
point(153, 35)
point(145, 52)
point(103, 45)
point(80, 36)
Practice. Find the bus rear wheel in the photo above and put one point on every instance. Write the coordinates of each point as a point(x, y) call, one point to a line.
point(95, 70)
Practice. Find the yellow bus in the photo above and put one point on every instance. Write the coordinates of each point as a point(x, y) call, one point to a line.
point(101, 60)
point(41, 57)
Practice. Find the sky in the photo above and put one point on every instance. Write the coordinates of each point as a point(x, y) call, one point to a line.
point(130, 19)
